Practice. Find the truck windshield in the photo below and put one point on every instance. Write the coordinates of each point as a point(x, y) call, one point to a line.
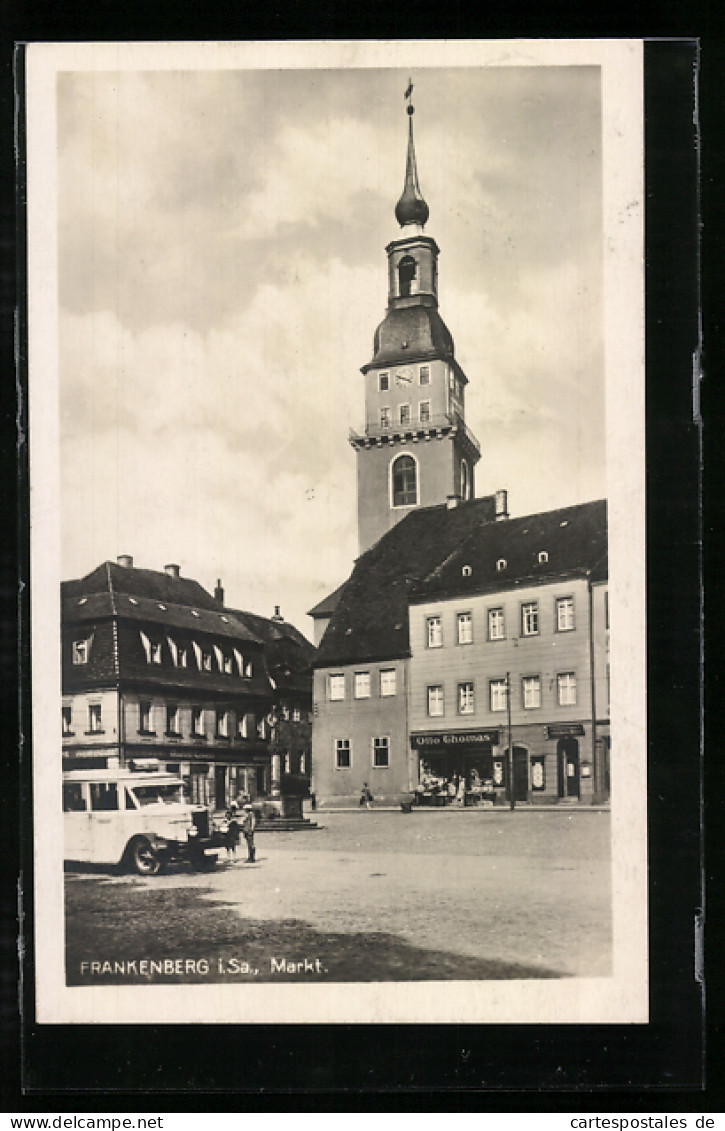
point(169, 794)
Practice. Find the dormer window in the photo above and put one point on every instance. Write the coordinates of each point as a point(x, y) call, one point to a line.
point(501, 564)
point(81, 650)
point(543, 557)
point(152, 648)
point(466, 571)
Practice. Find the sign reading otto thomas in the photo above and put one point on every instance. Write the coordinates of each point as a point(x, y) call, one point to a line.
point(136, 365)
point(460, 739)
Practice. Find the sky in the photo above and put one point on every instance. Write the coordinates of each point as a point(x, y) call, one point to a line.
point(222, 269)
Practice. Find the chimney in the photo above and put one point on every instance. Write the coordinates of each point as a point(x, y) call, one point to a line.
point(125, 560)
point(453, 501)
point(172, 570)
point(502, 510)
point(277, 616)
point(219, 592)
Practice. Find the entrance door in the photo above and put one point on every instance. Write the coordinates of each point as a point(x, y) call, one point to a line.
point(521, 774)
point(220, 787)
point(568, 751)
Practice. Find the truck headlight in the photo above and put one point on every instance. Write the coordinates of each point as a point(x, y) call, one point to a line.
point(192, 831)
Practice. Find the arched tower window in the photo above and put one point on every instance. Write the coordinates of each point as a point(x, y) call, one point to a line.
point(405, 482)
point(407, 269)
point(465, 481)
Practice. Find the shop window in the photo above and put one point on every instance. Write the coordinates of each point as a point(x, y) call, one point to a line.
point(343, 754)
point(538, 773)
point(381, 753)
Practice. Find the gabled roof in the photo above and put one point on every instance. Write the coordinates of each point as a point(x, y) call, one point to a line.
point(570, 541)
point(370, 621)
point(328, 604)
point(422, 558)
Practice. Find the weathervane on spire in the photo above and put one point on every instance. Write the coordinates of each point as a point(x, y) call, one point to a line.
point(410, 108)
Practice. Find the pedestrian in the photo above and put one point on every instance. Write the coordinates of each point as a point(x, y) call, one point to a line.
point(231, 839)
point(249, 824)
point(366, 797)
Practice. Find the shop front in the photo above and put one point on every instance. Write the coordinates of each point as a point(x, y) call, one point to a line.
point(458, 766)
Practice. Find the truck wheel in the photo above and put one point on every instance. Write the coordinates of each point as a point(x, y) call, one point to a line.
point(144, 858)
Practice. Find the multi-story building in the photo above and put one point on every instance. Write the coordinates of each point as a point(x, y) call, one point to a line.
point(155, 667)
point(505, 657)
point(461, 632)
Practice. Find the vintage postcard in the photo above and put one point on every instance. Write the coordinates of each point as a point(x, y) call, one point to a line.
point(336, 387)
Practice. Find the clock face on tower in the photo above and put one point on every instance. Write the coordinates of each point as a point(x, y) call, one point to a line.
point(403, 377)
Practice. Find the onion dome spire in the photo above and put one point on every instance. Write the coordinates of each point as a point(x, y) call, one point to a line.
point(411, 208)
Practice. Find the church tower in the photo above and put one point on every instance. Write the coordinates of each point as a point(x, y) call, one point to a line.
point(416, 450)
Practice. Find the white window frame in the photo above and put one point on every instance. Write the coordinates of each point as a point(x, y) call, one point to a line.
point(336, 680)
point(531, 687)
point(386, 419)
point(464, 618)
point(466, 697)
point(145, 715)
point(565, 623)
point(377, 743)
point(433, 639)
point(389, 677)
point(421, 418)
point(81, 650)
point(197, 717)
point(497, 694)
point(361, 685)
point(391, 481)
point(341, 744)
point(424, 370)
point(173, 719)
point(566, 689)
point(437, 700)
point(465, 481)
point(529, 617)
point(493, 620)
point(95, 718)
point(384, 377)
point(66, 716)
point(404, 409)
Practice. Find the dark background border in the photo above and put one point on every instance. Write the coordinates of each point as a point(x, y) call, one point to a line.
point(570, 1067)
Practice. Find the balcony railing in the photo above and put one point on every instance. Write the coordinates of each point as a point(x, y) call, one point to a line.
point(411, 428)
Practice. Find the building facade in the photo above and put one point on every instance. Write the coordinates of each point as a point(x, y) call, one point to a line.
point(154, 667)
point(466, 647)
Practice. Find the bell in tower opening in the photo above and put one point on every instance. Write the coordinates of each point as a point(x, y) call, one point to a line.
point(415, 448)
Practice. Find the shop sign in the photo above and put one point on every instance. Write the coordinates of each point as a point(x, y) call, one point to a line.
point(455, 740)
point(564, 730)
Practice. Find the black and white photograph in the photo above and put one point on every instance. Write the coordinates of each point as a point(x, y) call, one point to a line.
point(336, 386)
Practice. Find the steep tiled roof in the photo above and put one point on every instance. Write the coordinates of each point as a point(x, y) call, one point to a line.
point(154, 584)
point(371, 618)
point(573, 540)
point(288, 653)
point(422, 558)
point(328, 604)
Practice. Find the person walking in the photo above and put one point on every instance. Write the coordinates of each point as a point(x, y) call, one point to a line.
point(366, 797)
point(249, 824)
